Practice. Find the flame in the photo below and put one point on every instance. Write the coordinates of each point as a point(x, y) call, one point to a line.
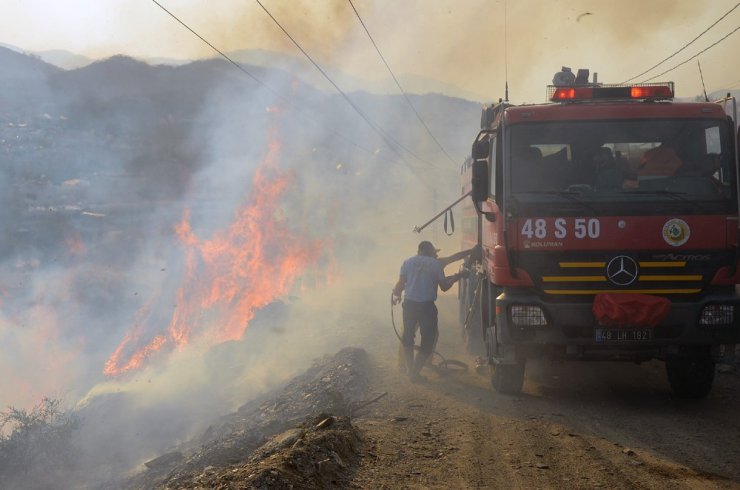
point(114, 364)
point(242, 268)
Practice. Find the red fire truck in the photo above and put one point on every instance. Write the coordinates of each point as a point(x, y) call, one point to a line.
point(607, 225)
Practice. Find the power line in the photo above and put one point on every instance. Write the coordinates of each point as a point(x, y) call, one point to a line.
point(405, 96)
point(733, 85)
point(388, 139)
point(237, 65)
point(697, 54)
point(685, 45)
point(249, 74)
point(288, 102)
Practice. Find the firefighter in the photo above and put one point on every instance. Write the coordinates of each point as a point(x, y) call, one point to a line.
point(661, 161)
point(420, 277)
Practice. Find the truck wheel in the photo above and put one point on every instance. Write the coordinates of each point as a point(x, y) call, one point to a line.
point(508, 378)
point(690, 377)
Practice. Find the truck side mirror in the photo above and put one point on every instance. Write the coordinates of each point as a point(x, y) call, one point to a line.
point(480, 181)
point(481, 149)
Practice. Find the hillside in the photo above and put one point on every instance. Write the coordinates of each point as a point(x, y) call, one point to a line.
point(124, 183)
point(197, 260)
point(156, 126)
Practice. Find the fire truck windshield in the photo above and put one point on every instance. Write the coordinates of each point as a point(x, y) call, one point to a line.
point(667, 161)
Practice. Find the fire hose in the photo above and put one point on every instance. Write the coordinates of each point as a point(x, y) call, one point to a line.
point(445, 365)
point(472, 303)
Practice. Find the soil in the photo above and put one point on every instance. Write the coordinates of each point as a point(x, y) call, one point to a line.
point(575, 425)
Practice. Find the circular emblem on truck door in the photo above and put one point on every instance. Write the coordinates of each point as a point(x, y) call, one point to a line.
point(676, 232)
point(622, 270)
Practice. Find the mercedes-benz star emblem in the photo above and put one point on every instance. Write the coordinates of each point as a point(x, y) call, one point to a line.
point(622, 270)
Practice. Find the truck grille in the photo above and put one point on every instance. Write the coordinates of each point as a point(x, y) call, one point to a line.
point(559, 276)
point(578, 278)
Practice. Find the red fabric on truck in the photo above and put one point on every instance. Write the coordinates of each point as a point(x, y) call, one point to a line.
point(622, 310)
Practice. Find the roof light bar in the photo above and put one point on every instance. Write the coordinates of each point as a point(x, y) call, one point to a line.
point(652, 92)
point(644, 91)
point(572, 93)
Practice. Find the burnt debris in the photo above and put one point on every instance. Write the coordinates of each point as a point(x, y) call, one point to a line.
point(266, 441)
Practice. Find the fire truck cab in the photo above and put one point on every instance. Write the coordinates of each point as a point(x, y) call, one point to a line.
point(607, 224)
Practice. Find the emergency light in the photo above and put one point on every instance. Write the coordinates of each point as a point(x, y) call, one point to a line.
point(640, 91)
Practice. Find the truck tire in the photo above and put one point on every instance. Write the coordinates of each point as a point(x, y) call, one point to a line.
point(508, 378)
point(690, 377)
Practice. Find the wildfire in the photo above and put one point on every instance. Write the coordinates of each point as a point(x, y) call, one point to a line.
point(246, 266)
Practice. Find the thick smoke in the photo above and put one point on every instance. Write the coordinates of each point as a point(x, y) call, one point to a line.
point(110, 160)
point(459, 43)
point(95, 265)
point(458, 47)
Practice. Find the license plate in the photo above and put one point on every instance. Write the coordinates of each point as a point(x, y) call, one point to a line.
point(623, 334)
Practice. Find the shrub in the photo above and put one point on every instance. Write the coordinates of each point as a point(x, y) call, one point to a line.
point(35, 445)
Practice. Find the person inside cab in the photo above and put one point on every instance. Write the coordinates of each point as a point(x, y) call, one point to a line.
point(661, 161)
point(608, 173)
point(530, 173)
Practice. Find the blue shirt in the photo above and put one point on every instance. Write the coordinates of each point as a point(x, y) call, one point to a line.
point(423, 275)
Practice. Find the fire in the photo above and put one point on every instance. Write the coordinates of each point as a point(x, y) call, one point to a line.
point(115, 365)
point(242, 268)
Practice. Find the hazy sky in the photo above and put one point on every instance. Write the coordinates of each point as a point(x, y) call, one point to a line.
point(461, 42)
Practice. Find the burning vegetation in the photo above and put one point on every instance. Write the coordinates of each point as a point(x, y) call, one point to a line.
point(247, 266)
point(140, 242)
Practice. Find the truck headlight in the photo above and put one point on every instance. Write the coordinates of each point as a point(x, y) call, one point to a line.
point(527, 316)
point(717, 315)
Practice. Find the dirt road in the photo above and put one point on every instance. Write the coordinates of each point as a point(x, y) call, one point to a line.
point(575, 425)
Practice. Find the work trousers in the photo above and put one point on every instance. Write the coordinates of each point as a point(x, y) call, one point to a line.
point(423, 314)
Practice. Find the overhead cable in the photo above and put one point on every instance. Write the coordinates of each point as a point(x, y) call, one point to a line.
point(388, 139)
point(685, 45)
point(241, 68)
point(405, 96)
point(697, 54)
